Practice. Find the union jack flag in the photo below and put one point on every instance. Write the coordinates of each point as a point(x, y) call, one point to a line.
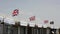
point(15, 12)
point(32, 18)
point(45, 21)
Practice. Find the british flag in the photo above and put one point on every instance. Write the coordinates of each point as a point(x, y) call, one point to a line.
point(32, 18)
point(15, 12)
point(45, 21)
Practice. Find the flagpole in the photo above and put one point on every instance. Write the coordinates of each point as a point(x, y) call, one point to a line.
point(46, 22)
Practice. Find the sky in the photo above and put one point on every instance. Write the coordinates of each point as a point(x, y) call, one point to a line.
point(42, 9)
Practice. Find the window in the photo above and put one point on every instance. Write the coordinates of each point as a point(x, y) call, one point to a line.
point(30, 30)
point(9, 29)
point(14, 30)
point(39, 31)
point(35, 31)
point(1, 28)
point(23, 30)
point(44, 31)
point(5, 29)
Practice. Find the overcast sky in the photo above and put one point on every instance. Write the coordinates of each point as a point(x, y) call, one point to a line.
point(42, 9)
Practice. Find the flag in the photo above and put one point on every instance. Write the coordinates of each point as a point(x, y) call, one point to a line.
point(15, 12)
point(51, 22)
point(45, 21)
point(32, 18)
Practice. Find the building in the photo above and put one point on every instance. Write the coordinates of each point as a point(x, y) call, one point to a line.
point(9, 26)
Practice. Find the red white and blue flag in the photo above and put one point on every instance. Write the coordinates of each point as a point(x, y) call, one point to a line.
point(15, 12)
point(45, 21)
point(32, 18)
